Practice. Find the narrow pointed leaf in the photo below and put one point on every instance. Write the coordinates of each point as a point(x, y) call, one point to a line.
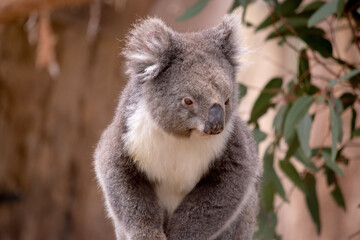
point(235, 5)
point(340, 7)
point(336, 128)
point(325, 153)
point(263, 103)
point(270, 174)
point(303, 131)
point(338, 197)
point(280, 119)
point(293, 147)
point(259, 135)
point(292, 174)
point(289, 6)
point(313, 6)
point(242, 91)
point(304, 70)
point(312, 200)
point(266, 226)
point(353, 122)
point(300, 155)
point(349, 75)
point(356, 132)
point(271, 19)
point(326, 10)
point(193, 10)
point(319, 44)
point(295, 114)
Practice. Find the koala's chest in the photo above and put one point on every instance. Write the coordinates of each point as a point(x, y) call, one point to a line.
point(174, 164)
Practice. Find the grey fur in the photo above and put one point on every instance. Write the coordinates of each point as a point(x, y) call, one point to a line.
point(164, 67)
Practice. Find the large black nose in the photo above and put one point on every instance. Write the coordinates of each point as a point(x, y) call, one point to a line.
point(215, 123)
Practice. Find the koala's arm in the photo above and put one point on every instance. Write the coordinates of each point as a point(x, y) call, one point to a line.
point(227, 191)
point(131, 202)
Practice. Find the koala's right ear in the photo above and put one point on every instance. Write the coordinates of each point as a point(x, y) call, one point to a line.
point(147, 49)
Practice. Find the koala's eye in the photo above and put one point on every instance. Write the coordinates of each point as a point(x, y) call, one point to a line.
point(188, 101)
point(227, 101)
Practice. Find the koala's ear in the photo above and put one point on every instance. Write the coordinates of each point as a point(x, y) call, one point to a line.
point(147, 48)
point(226, 36)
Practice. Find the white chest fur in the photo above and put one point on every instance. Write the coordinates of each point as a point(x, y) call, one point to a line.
point(174, 164)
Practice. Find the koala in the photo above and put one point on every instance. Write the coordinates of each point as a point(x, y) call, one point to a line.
point(177, 162)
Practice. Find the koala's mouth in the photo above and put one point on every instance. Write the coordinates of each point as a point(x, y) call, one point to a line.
point(200, 133)
point(205, 134)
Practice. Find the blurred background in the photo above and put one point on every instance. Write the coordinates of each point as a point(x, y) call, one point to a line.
point(60, 78)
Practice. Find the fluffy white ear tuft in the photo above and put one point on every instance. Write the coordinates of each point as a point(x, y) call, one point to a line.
point(147, 49)
point(227, 36)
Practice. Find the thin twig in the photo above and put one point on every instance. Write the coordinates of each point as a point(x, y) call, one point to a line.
point(324, 65)
point(354, 235)
point(287, 196)
point(353, 31)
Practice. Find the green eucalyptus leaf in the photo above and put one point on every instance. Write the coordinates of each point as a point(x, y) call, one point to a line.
point(319, 44)
point(303, 32)
point(235, 5)
point(296, 113)
point(338, 196)
point(242, 91)
point(320, 99)
point(353, 121)
point(349, 75)
point(293, 147)
point(304, 70)
point(280, 119)
point(326, 154)
point(292, 174)
point(286, 9)
point(306, 161)
point(330, 176)
point(303, 131)
point(338, 107)
point(243, 3)
point(336, 131)
point(313, 6)
point(340, 7)
point(327, 9)
point(271, 19)
point(312, 200)
point(270, 175)
point(289, 6)
point(312, 90)
point(259, 135)
point(263, 103)
point(356, 132)
point(266, 226)
point(267, 195)
point(193, 10)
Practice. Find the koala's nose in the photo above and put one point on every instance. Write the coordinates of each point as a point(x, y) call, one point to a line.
point(215, 123)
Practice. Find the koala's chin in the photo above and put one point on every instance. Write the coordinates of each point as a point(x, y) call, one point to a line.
point(177, 162)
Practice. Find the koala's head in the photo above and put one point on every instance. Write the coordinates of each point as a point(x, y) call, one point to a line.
point(186, 79)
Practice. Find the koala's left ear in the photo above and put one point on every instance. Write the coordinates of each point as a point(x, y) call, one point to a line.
point(147, 49)
point(226, 36)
